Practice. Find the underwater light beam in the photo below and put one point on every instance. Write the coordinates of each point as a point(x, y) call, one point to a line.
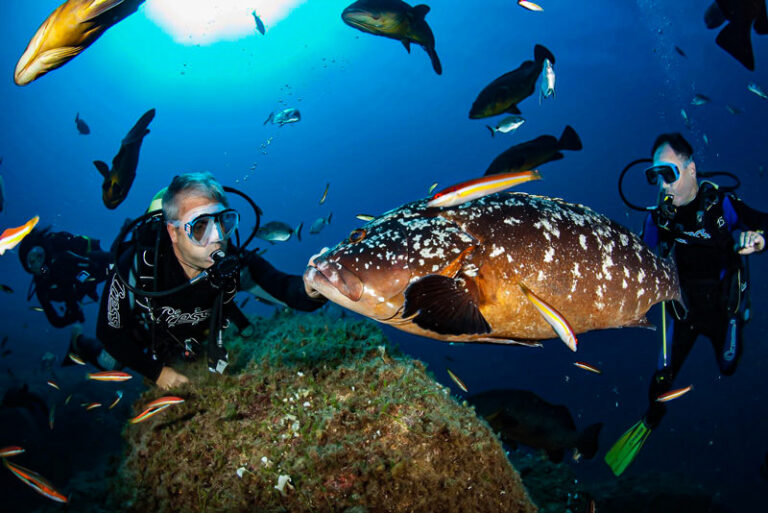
point(194, 22)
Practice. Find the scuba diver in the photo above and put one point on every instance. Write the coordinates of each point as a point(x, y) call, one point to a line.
point(66, 268)
point(708, 231)
point(174, 283)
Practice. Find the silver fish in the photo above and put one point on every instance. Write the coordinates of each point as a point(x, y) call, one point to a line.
point(547, 81)
point(507, 125)
point(320, 223)
point(753, 87)
point(283, 117)
point(278, 231)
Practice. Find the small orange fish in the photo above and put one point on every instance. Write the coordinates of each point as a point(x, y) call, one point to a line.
point(165, 401)
point(479, 187)
point(456, 380)
point(673, 394)
point(109, 376)
point(12, 236)
point(526, 4)
point(91, 406)
point(117, 399)
point(37, 482)
point(553, 318)
point(76, 359)
point(11, 450)
point(149, 412)
point(586, 366)
point(325, 193)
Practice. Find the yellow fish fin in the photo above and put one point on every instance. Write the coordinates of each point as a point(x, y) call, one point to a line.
point(99, 7)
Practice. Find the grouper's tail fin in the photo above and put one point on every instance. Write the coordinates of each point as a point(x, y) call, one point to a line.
point(569, 140)
point(588, 440)
point(736, 39)
point(540, 52)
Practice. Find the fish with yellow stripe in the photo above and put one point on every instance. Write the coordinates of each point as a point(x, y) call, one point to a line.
point(37, 482)
point(11, 237)
point(67, 31)
point(503, 268)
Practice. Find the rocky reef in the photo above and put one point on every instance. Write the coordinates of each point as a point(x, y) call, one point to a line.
point(317, 414)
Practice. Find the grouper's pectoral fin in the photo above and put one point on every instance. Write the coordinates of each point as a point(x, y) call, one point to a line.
point(406, 44)
point(445, 305)
point(553, 318)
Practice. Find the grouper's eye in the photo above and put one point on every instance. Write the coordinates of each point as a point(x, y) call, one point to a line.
point(356, 236)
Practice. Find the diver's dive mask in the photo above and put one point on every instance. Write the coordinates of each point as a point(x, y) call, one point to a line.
point(668, 172)
point(201, 229)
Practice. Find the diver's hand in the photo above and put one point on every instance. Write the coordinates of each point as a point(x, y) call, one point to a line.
point(311, 292)
point(169, 378)
point(750, 242)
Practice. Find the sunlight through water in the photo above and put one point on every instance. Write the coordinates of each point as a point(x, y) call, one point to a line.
point(208, 21)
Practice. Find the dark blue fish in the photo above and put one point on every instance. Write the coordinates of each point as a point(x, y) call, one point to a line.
point(82, 127)
point(118, 180)
point(742, 17)
point(259, 23)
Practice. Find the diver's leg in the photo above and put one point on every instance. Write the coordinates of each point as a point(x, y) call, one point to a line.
point(90, 350)
point(684, 334)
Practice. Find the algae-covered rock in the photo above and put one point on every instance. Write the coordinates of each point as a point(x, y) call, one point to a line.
point(323, 418)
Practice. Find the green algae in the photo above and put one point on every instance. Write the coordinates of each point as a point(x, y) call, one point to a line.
point(324, 403)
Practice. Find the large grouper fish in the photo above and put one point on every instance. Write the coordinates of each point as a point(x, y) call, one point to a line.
point(504, 268)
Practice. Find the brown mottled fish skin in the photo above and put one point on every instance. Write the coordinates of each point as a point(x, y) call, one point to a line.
point(67, 31)
point(593, 271)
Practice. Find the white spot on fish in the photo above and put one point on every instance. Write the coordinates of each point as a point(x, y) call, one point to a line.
point(583, 241)
point(497, 250)
point(640, 276)
point(575, 270)
point(549, 254)
point(541, 276)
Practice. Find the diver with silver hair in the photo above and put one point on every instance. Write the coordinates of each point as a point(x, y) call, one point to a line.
point(172, 291)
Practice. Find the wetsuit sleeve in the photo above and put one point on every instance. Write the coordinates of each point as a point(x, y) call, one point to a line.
point(114, 329)
point(57, 321)
point(650, 233)
point(748, 218)
point(288, 288)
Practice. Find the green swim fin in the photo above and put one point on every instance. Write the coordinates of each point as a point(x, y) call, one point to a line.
point(626, 448)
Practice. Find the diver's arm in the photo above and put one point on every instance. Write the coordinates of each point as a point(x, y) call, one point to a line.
point(749, 218)
point(288, 288)
point(113, 328)
point(53, 316)
point(650, 233)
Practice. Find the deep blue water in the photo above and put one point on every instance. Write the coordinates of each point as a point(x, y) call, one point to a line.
point(381, 126)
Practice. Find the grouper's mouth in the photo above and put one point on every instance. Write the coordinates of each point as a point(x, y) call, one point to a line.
point(339, 277)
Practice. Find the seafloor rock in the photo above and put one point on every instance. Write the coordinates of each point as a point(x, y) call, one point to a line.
point(322, 418)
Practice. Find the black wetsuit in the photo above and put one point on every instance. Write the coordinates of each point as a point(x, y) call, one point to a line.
point(147, 334)
point(74, 266)
point(701, 236)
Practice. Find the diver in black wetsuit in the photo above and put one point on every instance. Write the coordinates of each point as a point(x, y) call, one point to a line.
point(66, 269)
point(709, 233)
point(187, 257)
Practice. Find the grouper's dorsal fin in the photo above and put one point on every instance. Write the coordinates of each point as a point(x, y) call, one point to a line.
point(420, 11)
point(446, 306)
point(102, 167)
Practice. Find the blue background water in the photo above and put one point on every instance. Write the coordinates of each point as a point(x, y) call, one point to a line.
point(381, 126)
